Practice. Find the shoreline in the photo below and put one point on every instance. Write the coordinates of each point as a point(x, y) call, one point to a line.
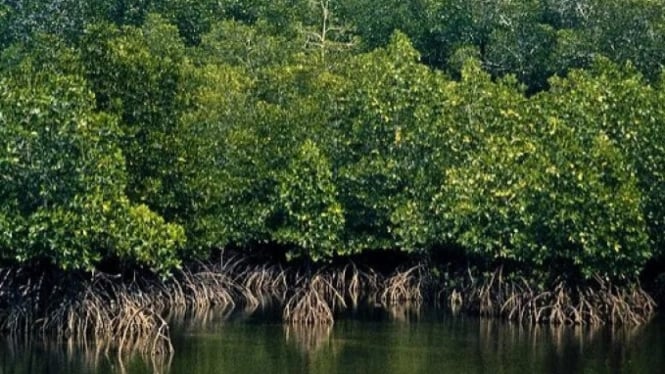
point(123, 313)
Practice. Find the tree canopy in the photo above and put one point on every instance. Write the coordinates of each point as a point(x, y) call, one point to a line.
point(150, 132)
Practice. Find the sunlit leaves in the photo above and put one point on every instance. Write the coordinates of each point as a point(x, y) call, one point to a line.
point(140, 74)
point(244, 128)
point(64, 179)
point(307, 211)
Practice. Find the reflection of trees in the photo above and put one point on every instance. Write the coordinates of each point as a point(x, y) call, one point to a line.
point(433, 343)
point(37, 355)
point(404, 312)
point(308, 338)
point(500, 337)
point(198, 319)
point(559, 348)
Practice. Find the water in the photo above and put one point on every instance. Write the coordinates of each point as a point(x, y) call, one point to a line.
point(369, 342)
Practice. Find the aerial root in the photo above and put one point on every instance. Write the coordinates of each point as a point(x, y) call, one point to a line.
point(599, 302)
point(403, 286)
point(313, 301)
point(129, 313)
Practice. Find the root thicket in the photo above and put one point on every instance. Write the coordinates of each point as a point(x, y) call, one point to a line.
point(110, 316)
point(313, 301)
point(600, 302)
point(112, 312)
point(403, 287)
point(258, 283)
point(130, 313)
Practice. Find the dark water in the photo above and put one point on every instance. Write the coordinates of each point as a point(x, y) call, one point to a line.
point(372, 342)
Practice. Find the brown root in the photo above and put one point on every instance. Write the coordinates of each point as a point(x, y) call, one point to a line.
point(112, 313)
point(261, 282)
point(402, 287)
point(110, 316)
point(313, 302)
point(600, 302)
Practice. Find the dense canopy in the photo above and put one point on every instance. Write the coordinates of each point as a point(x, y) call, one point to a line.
point(146, 133)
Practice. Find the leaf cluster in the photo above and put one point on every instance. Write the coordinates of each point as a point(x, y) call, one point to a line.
point(152, 132)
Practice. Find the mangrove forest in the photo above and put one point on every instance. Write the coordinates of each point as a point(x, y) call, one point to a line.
point(162, 158)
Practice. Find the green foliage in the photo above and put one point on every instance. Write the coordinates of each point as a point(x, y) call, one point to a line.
point(376, 22)
point(234, 43)
point(207, 153)
point(543, 185)
point(650, 160)
point(22, 20)
point(316, 127)
point(43, 53)
point(632, 30)
point(140, 74)
point(385, 153)
point(63, 178)
point(563, 195)
point(630, 112)
point(532, 39)
point(5, 14)
point(232, 174)
point(310, 217)
point(192, 17)
point(278, 17)
point(389, 103)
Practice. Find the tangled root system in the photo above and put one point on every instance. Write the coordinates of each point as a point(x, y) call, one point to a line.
point(598, 302)
point(131, 313)
point(313, 301)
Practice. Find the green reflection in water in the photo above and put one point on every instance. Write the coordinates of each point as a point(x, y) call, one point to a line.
point(372, 342)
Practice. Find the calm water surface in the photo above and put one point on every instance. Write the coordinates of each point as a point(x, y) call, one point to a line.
point(370, 342)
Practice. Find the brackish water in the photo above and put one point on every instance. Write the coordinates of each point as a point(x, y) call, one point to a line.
point(373, 341)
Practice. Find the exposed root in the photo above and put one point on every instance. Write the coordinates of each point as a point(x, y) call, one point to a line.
point(402, 287)
point(110, 313)
point(456, 301)
point(110, 316)
point(259, 282)
point(313, 301)
point(207, 287)
point(517, 300)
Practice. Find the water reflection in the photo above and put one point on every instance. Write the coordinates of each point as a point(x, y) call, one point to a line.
point(48, 356)
point(567, 349)
point(370, 340)
point(307, 338)
point(198, 319)
point(405, 312)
